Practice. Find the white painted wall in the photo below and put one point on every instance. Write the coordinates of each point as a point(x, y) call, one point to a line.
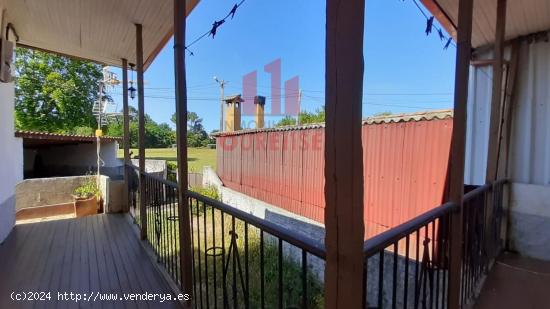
point(11, 160)
point(529, 161)
point(477, 129)
point(73, 160)
point(82, 155)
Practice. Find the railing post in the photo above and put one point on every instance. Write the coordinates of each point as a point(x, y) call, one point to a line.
point(456, 183)
point(343, 154)
point(496, 116)
point(126, 139)
point(141, 130)
point(181, 127)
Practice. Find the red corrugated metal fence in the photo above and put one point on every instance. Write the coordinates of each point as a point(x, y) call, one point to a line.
point(405, 167)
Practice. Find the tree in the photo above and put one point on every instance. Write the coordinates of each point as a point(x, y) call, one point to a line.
point(286, 121)
point(305, 118)
point(156, 135)
point(386, 113)
point(196, 134)
point(54, 93)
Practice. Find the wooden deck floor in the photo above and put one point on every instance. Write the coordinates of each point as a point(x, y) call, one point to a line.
point(516, 282)
point(95, 254)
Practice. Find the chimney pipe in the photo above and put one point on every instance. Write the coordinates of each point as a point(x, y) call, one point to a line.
point(259, 103)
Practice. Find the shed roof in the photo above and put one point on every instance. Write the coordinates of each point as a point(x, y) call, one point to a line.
point(45, 138)
point(405, 117)
point(99, 30)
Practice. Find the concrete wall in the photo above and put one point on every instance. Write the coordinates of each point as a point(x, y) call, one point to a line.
point(158, 168)
point(260, 209)
point(73, 160)
point(529, 228)
point(59, 190)
point(529, 156)
point(46, 191)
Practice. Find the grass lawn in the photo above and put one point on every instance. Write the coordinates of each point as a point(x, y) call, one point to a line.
point(209, 226)
point(197, 157)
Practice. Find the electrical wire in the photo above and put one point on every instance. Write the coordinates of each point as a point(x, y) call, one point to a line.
point(215, 26)
point(439, 30)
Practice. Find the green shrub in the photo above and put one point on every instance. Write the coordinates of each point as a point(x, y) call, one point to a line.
point(88, 189)
point(209, 191)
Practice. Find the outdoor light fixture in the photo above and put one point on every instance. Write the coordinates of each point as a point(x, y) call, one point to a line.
point(132, 90)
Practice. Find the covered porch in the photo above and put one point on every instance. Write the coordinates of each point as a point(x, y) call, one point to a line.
point(97, 258)
point(224, 257)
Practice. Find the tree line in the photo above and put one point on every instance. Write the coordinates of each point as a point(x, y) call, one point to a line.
point(56, 94)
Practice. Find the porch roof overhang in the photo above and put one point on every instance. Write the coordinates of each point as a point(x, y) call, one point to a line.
point(522, 18)
point(102, 31)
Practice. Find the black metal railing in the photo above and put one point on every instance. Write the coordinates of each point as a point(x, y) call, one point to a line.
point(133, 192)
point(239, 260)
point(242, 261)
point(482, 236)
point(407, 266)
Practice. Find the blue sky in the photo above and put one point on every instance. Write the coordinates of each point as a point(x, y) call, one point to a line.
point(405, 71)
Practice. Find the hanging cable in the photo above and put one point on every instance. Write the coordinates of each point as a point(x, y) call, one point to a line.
point(430, 25)
point(215, 25)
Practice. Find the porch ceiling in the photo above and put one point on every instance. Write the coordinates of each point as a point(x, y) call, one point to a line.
point(97, 30)
point(522, 17)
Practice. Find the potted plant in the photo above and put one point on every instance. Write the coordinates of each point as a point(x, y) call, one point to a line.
point(86, 198)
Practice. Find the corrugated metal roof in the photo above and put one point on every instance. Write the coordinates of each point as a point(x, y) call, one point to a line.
point(407, 117)
point(62, 137)
point(522, 18)
point(393, 118)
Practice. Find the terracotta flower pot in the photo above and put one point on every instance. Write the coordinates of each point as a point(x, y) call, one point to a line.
point(85, 206)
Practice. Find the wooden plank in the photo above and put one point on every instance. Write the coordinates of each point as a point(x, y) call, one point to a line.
point(93, 254)
point(151, 280)
point(68, 254)
point(82, 266)
point(118, 277)
point(181, 128)
point(27, 265)
point(125, 112)
point(508, 108)
point(495, 121)
point(343, 154)
point(496, 96)
point(53, 263)
point(95, 285)
point(108, 277)
point(458, 142)
point(506, 132)
point(122, 262)
point(141, 128)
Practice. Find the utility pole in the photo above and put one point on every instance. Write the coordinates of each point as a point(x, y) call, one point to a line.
point(222, 84)
point(299, 107)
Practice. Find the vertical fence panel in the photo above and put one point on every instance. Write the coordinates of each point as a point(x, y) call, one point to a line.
point(405, 168)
